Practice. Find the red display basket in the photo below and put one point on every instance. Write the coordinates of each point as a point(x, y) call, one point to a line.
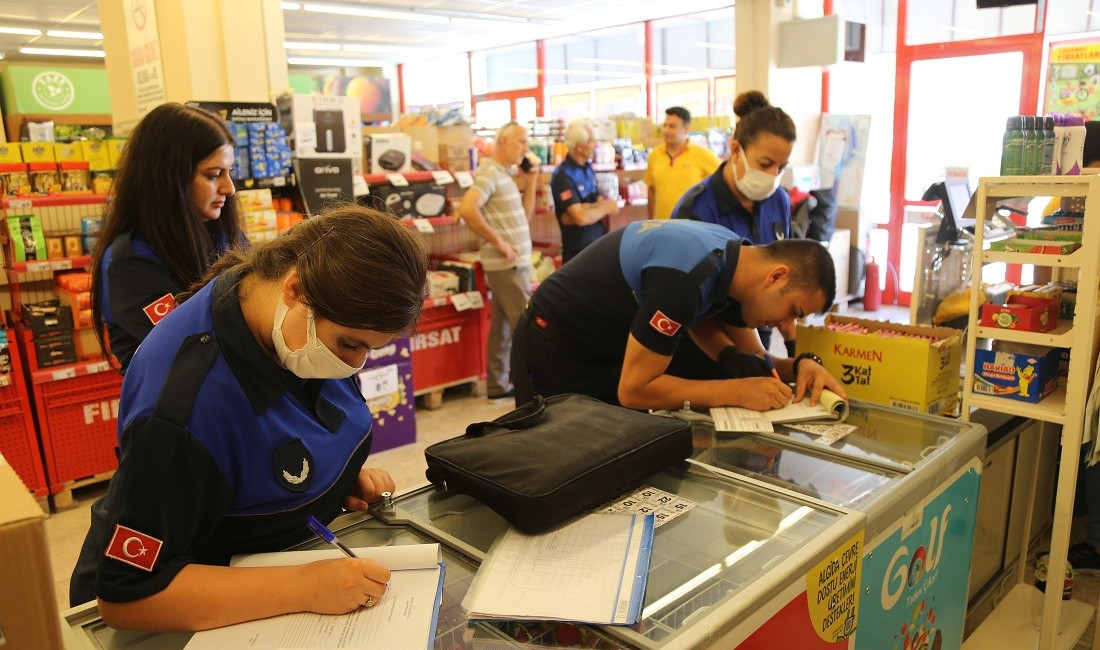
point(448, 347)
point(77, 410)
point(18, 438)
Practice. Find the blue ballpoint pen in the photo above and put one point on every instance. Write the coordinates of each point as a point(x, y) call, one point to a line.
point(327, 535)
point(771, 365)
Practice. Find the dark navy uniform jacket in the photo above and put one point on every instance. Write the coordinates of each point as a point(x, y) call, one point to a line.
point(652, 279)
point(572, 183)
point(712, 201)
point(223, 451)
point(135, 278)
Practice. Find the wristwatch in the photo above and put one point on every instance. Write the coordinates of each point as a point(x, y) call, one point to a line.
point(806, 355)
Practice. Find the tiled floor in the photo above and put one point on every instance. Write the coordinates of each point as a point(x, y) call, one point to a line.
point(462, 406)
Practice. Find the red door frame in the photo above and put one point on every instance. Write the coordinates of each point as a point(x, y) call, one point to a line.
point(1030, 45)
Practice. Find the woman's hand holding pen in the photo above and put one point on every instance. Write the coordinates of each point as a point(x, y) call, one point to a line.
point(342, 585)
point(369, 487)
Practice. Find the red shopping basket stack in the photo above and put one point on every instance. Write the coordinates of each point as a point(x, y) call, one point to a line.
point(18, 440)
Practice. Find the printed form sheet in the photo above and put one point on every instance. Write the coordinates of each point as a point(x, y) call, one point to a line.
point(403, 619)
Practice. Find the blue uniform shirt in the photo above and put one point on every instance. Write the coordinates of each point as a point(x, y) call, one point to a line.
point(652, 279)
point(712, 201)
point(572, 183)
point(223, 451)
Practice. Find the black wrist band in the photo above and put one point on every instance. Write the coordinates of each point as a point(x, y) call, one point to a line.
point(807, 355)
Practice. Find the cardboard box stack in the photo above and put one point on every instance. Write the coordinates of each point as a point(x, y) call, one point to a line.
point(28, 608)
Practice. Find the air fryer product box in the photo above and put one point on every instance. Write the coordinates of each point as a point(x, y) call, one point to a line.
point(325, 126)
point(389, 153)
point(416, 200)
point(28, 608)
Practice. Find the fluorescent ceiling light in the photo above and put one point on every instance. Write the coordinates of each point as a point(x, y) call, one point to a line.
point(300, 45)
point(290, 6)
point(582, 73)
point(355, 63)
point(22, 31)
point(63, 33)
point(370, 47)
point(53, 51)
point(410, 15)
point(716, 46)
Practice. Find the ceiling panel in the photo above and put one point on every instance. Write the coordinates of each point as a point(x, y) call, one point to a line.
point(513, 21)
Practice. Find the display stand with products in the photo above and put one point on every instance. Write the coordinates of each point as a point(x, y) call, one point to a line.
point(75, 400)
point(1063, 621)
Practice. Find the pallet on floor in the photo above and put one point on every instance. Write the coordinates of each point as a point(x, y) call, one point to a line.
point(64, 499)
point(432, 398)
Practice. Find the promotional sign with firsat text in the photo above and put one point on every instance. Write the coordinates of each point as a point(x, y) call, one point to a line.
point(914, 586)
point(1073, 79)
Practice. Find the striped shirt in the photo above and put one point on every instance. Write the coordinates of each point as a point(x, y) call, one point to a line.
point(502, 206)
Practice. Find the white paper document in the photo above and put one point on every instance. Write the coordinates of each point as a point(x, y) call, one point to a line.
point(592, 570)
point(404, 619)
point(830, 406)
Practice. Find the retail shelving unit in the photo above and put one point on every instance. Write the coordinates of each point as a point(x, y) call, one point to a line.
point(1010, 623)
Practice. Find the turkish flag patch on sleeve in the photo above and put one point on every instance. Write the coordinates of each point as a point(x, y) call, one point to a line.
point(159, 308)
point(664, 324)
point(134, 548)
point(565, 195)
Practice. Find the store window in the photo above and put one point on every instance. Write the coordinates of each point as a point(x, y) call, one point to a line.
point(504, 68)
point(569, 106)
point(881, 19)
point(605, 54)
point(692, 94)
point(944, 21)
point(694, 42)
point(435, 82)
point(1072, 17)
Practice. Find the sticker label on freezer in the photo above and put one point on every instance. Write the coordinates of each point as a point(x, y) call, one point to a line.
point(832, 590)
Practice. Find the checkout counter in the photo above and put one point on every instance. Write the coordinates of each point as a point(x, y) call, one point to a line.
point(789, 543)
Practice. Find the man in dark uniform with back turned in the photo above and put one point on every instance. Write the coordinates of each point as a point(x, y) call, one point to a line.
point(608, 323)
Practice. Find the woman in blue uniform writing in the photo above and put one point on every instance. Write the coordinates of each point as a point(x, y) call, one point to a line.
point(240, 416)
point(172, 214)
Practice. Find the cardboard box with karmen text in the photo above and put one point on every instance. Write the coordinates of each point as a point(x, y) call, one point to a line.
point(28, 607)
point(915, 374)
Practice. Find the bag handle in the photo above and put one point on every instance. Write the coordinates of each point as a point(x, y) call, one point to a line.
point(523, 417)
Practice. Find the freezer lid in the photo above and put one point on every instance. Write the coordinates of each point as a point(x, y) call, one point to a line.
point(816, 474)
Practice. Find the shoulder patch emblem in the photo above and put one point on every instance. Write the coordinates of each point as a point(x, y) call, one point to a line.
point(159, 308)
point(664, 324)
point(133, 547)
point(565, 195)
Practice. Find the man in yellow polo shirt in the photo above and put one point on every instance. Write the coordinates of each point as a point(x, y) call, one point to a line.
point(675, 165)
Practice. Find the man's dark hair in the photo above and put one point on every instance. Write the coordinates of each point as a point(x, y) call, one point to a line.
point(810, 264)
point(680, 112)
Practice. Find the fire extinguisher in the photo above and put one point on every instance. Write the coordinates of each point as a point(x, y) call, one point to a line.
point(872, 292)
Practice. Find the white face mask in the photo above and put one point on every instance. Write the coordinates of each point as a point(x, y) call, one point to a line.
point(314, 360)
point(756, 185)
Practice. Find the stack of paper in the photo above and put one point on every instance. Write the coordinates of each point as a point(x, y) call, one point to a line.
point(404, 618)
point(592, 570)
point(830, 406)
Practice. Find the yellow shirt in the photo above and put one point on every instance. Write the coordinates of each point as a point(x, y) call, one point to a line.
point(670, 178)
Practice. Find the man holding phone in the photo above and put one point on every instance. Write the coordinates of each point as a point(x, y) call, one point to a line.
point(500, 214)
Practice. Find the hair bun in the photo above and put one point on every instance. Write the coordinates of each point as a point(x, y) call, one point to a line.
point(748, 102)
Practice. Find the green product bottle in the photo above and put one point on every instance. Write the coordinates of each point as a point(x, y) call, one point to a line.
point(1012, 151)
point(1046, 165)
point(1033, 147)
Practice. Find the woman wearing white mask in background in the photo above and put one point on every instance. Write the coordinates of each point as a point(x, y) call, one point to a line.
point(240, 416)
point(744, 196)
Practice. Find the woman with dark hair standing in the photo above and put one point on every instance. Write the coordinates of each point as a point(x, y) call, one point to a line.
point(240, 416)
point(172, 214)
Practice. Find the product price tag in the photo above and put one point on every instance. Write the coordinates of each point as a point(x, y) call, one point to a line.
point(464, 179)
point(442, 177)
point(397, 180)
point(376, 382)
point(423, 225)
point(64, 373)
point(98, 366)
point(19, 205)
point(278, 181)
point(461, 301)
point(476, 301)
point(359, 185)
point(34, 267)
point(61, 265)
